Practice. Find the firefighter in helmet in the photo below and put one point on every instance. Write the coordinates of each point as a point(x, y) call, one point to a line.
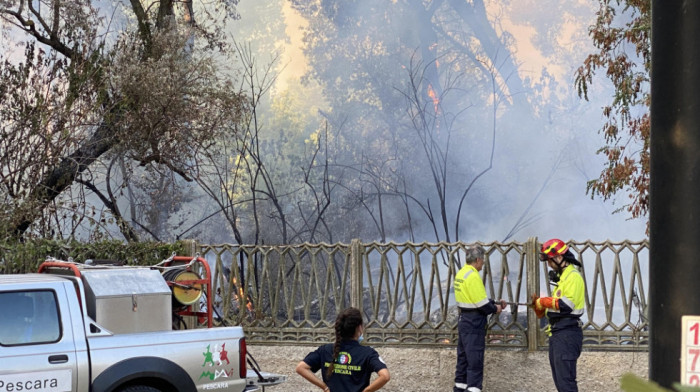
point(563, 310)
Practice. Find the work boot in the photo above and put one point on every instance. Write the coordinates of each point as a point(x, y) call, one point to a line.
point(473, 389)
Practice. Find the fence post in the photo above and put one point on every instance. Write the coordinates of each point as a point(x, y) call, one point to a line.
point(190, 247)
point(533, 286)
point(356, 274)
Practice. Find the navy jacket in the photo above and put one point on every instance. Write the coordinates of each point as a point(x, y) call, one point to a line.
point(353, 368)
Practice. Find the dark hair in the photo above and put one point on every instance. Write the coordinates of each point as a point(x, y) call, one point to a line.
point(345, 326)
point(568, 256)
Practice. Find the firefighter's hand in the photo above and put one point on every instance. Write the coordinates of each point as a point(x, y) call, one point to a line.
point(548, 303)
point(503, 304)
point(536, 302)
point(537, 306)
point(540, 313)
point(499, 308)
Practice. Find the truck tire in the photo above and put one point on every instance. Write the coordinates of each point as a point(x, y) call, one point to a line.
point(139, 388)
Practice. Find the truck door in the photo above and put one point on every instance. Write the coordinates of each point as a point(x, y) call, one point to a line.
point(37, 349)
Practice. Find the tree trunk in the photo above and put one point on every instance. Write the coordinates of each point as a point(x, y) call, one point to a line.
point(63, 176)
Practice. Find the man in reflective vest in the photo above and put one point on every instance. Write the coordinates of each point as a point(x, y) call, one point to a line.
point(563, 309)
point(474, 307)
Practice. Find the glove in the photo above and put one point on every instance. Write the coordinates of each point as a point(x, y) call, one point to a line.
point(548, 303)
point(537, 306)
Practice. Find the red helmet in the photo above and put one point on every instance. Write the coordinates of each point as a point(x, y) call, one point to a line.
point(553, 247)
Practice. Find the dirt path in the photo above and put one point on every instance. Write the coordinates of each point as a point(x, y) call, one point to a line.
point(417, 370)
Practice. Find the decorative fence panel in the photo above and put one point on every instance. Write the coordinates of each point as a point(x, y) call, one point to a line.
point(292, 293)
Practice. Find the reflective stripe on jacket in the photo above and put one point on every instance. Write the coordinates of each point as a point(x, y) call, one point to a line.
point(470, 292)
point(570, 291)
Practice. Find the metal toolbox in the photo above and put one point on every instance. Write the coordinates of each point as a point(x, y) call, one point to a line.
point(126, 300)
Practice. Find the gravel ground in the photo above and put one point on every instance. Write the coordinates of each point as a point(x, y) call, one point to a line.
point(432, 369)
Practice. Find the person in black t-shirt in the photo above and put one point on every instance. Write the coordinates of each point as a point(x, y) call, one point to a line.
point(347, 366)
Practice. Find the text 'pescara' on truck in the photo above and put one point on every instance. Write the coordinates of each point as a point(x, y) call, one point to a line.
point(104, 327)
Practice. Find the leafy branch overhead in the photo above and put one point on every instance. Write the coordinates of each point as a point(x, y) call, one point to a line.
point(622, 35)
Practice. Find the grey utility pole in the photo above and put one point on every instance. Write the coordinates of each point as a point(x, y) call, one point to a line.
point(674, 271)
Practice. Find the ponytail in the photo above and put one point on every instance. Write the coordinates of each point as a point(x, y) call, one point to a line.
point(571, 259)
point(345, 326)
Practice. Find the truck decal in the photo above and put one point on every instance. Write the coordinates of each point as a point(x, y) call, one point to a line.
point(215, 385)
point(55, 381)
point(222, 355)
point(213, 376)
point(216, 358)
point(208, 358)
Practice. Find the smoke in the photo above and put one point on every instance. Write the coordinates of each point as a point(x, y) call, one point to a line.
point(521, 91)
point(456, 105)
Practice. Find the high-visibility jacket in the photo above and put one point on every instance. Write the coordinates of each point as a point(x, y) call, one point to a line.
point(470, 293)
point(569, 295)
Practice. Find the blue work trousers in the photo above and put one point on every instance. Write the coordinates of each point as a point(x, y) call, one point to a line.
point(564, 350)
point(470, 352)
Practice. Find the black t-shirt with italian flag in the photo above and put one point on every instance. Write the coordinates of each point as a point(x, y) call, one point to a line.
point(353, 367)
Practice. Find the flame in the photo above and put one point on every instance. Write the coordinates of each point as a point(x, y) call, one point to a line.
point(434, 97)
point(240, 294)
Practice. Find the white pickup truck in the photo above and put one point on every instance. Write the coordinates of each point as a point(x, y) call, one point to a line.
point(104, 329)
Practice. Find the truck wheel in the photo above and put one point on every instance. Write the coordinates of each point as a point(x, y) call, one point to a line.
point(139, 388)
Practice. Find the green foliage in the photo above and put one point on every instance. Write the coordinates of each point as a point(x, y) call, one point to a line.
point(632, 383)
point(25, 257)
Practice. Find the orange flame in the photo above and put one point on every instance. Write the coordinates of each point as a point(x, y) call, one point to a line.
point(240, 294)
point(434, 97)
